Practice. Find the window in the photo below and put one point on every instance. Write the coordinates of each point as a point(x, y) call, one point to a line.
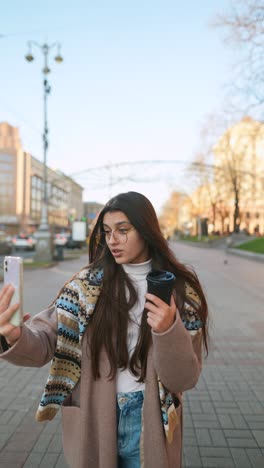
point(7, 158)
point(36, 196)
point(6, 177)
point(7, 181)
point(5, 167)
point(6, 190)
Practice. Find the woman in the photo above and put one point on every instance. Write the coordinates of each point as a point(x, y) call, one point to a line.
point(121, 357)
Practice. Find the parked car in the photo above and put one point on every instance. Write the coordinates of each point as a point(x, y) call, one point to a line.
point(74, 244)
point(61, 239)
point(24, 242)
point(5, 244)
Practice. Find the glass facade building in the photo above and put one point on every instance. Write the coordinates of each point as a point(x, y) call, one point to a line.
point(22, 189)
point(7, 183)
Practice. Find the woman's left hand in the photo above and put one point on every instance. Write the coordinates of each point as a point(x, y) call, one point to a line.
point(160, 315)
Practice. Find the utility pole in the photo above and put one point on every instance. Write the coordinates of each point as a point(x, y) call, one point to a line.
point(43, 234)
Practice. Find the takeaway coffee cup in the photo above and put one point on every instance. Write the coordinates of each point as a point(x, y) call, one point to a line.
point(161, 283)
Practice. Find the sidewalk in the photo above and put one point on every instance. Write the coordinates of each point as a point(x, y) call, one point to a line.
point(24, 442)
point(224, 414)
point(68, 255)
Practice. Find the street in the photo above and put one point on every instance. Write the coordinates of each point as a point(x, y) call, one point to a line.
point(223, 415)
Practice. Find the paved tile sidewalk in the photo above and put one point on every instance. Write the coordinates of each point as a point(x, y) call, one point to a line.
point(224, 414)
point(224, 418)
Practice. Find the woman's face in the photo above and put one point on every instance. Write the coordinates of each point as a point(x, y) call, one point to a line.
point(124, 242)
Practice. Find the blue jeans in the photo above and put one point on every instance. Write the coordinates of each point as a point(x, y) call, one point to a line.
point(128, 411)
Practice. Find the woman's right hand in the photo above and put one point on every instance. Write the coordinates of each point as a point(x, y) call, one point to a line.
point(10, 332)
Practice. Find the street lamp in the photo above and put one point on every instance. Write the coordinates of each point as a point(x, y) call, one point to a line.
point(43, 235)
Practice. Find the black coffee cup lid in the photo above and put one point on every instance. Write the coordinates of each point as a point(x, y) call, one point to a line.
point(160, 276)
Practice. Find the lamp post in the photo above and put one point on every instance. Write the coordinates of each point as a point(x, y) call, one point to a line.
point(43, 235)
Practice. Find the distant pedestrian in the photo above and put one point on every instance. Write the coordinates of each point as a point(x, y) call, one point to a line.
point(121, 357)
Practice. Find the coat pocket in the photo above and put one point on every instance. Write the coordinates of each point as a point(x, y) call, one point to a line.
point(71, 434)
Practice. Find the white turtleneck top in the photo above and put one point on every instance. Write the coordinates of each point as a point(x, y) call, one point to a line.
point(126, 382)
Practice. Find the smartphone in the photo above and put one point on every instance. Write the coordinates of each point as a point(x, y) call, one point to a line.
point(13, 274)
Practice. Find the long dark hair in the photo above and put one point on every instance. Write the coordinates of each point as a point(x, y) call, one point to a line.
point(111, 316)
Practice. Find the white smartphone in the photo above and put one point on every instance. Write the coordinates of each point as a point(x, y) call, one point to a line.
point(13, 274)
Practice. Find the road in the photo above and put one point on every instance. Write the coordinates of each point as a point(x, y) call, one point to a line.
point(224, 414)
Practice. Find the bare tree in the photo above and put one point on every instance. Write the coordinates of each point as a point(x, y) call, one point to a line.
point(237, 159)
point(232, 175)
point(170, 216)
point(244, 28)
point(204, 171)
point(206, 177)
point(228, 169)
point(223, 211)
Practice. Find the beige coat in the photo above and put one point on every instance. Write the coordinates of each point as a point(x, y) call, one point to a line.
point(89, 415)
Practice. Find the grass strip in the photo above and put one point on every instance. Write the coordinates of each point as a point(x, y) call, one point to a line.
point(256, 246)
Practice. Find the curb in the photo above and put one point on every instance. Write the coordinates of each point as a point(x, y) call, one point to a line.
point(205, 245)
point(239, 253)
point(243, 253)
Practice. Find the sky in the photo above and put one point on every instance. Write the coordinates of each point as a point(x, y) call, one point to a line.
point(137, 82)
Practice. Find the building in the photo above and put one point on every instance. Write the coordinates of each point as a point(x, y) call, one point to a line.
point(91, 210)
point(21, 189)
point(239, 173)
